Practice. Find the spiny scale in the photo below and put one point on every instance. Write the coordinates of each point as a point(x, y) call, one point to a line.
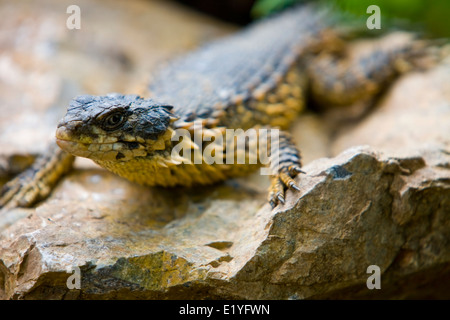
point(256, 77)
point(239, 70)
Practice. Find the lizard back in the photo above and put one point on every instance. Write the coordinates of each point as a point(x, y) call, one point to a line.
point(236, 70)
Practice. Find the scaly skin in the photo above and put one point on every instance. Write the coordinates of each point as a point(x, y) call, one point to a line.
point(256, 78)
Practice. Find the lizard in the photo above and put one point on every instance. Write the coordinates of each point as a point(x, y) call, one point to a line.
point(258, 77)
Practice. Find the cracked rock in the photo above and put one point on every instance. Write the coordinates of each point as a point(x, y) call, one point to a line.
point(353, 211)
point(381, 198)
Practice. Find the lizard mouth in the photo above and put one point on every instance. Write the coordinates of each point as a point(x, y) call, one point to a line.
point(64, 141)
point(73, 147)
point(91, 150)
point(112, 150)
point(66, 145)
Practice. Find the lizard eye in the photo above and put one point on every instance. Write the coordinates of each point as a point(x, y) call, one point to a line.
point(113, 121)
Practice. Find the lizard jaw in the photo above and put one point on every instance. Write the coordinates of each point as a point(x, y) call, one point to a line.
point(91, 150)
point(109, 149)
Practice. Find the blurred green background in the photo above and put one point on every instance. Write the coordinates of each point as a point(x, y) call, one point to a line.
point(431, 17)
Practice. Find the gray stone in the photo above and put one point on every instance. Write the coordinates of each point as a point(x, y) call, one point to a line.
point(385, 205)
point(223, 245)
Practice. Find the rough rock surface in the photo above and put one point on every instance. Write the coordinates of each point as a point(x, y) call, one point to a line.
point(386, 205)
point(359, 209)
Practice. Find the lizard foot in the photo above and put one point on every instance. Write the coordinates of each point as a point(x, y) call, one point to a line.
point(281, 182)
point(36, 182)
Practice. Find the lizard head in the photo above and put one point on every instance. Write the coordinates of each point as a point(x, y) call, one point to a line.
point(115, 127)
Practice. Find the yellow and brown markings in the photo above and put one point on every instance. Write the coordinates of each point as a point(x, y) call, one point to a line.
point(257, 78)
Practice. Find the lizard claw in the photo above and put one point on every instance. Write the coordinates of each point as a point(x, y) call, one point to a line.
point(280, 182)
point(294, 170)
point(293, 186)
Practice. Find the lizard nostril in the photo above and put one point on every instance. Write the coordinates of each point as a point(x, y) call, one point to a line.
point(66, 129)
point(62, 133)
point(71, 124)
point(61, 123)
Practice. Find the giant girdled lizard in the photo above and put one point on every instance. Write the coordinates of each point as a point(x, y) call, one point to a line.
point(256, 78)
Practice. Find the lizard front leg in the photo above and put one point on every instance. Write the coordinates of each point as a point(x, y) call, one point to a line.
point(285, 165)
point(284, 160)
point(36, 182)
